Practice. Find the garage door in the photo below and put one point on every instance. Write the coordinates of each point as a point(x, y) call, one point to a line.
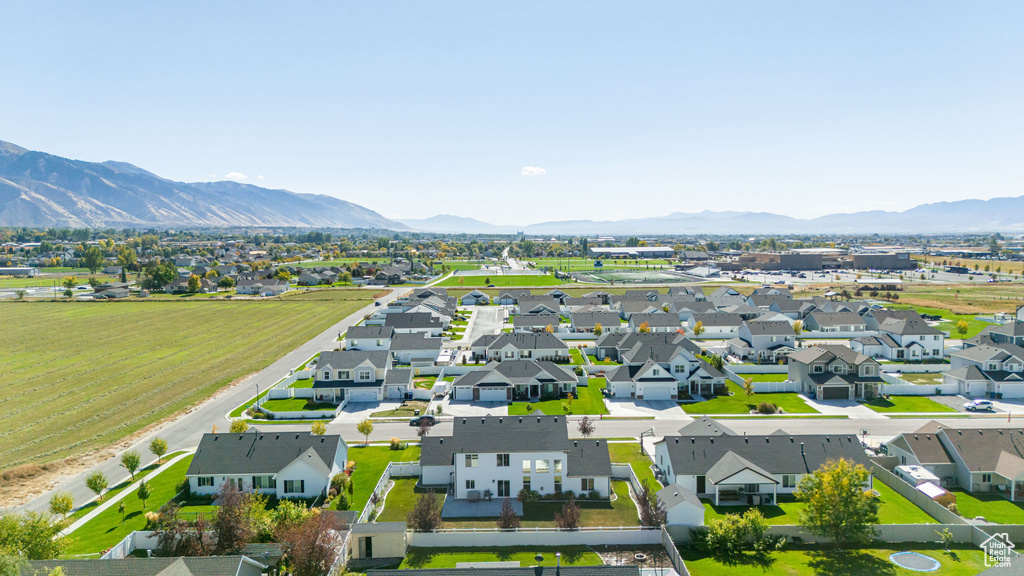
point(396, 392)
point(463, 393)
point(493, 395)
point(365, 395)
point(656, 393)
point(621, 389)
point(835, 393)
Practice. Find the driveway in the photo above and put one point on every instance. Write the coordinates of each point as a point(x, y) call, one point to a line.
point(486, 320)
point(467, 408)
point(850, 408)
point(358, 411)
point(659, 409)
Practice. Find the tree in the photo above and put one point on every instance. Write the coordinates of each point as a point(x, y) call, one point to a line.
point(837, 503)
point(68, 293)
point(748, 387)
point(425, 516)
point(144, 492)
point(226, 282)
point(312, 546)
point(586, 426)
point(238, 426)
point(120, 510)
point(126, 258)
point(698, 329)
point(61, 504)
point(569, 397)
point(423, 430)
point(318, 429)
point(97, 482)
point(193, 284)
point(798, 327)
point(507, 517)
point(12, 563)
point(652, 512)
point(70, 282)
point(728, 536)
point(569, 517)
point(962, 328)
point(93, 259)
point(365, 428)
point(158, 447)
point(20, 294)
point(177, 537)
point(233, 527)
point(598, 329)
point(35, 536)
point(130, 461)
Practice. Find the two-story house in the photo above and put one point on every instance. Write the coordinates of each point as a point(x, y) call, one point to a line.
point(369, 338)
point(763, 341)
point(359, 376)
point(988, 369)
point(832, 372)
point(904, 340)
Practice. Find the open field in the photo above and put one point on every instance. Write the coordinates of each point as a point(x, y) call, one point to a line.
point(336, 294)
point(578, 264)
point(1006, 266)
point(829, 562)
point(78, 376)
point(47, 281)
point(967, 298)
point(501, 281)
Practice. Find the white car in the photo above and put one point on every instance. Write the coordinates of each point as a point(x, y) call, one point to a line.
point(978, 405)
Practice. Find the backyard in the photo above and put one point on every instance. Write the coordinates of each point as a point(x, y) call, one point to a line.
point(922, 379)
point(590, 401)
point(629, 453)
point(907, 404)
point(164, 356)
point(829, 562)
point(370, 464)
point(989, 506)
point(739, 403)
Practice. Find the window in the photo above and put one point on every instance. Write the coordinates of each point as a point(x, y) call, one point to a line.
point(751, 488)
point(817, 369)
point(354, 343)
point(558, 483)
point(869, 370)
point(656, 372)
point(470, 484)
point(986, 478)
point(364, 374)
point(472, 460)
point(586, 484)
point(327, 374)
point(380, 342)
point(680, 368)
point(526, 483)
point(526, 466)
point(241, 486)
point(558, 466)
point(789, 480)
point(992, 366)
point(542, 467)
point(510, 354)
point(204, 481)
point(504, 488)
point(502, 460)
point(294, 486)
point(838, 368)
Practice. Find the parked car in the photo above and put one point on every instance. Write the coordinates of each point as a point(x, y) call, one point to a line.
point(978, 405)
point(376, 303)
point(421, 420)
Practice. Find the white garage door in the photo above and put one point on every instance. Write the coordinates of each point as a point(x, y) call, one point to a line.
point(656, 393)
point(395, 393)
point(364, 395)
point(493, 395)
point(463, 393)
point(620, 389)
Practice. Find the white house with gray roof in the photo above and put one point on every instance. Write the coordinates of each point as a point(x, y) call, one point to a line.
point(763, 341)
point(369, 338)
point(520, 346)
point(359, 376)
point(515, 380)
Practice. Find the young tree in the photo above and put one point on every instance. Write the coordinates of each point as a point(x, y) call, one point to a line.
point(144, 492)
point(313, 546)
point(748, 387)
point(698, 329)
point(226, 282)
point(68, 293)
point(365, 428)
point(569, 517)
point(130, 461)
point(61, 504)
point(837, 503)
point(158, 446)
point(426, 514)
point(798, 327)
point(586, 426)
point(507, 517)
point(120, 510)
point(423, 430)
point(598, 329)
point(193, 284)
point(569, 397)
point(318, 429)
point(644, 328)
point(238, 426)
point(20, 294)
point(652, 512)
point(69, 282)
point(97, 482)
point(962, 328)
point(233, 526)
point(35, 536)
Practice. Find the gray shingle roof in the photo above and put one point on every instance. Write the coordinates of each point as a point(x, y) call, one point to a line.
point(674, 495)
point(589, 319)
point(261, 452)
point(770, 328)
point(196, 566)
point(982, 449)
point(415, 341)
point(775, 453)
point(412, 320)
point(370, 332)
point(349, 359)
point(528, 341)
point(656, 320)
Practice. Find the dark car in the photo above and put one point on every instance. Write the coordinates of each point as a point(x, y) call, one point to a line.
point(490, 285)
point(377, 303)
point(423, 421)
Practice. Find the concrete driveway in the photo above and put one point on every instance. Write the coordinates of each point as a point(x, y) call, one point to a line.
point(850, 408)
point(659, 409)
point(467, 408)
point(357, 411)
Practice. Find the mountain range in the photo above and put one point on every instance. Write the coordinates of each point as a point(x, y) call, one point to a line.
point(43, 190)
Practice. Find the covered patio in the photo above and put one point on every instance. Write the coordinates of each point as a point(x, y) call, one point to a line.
point(738, 481)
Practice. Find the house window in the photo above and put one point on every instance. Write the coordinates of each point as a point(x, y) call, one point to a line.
point(751, 488)
point(839, 368)
point(364, 374)
point(502, 459)
point(510, 354)
point(294, 486)
point(327, 374)
point(558, 483)
point(558, 466)
point(789, 480)
point(380, 342)
point(542, 467)
point(472, 460)
point(986, 478)
point(354, 343)
point(817, 369)
point(344, 375)
point(656, 372)
point(504, 488)
point(992, 366)
point(869, 370)
point(526, 466)
point(526, 483)
point(205, 481)
point(680, 368)
point(470, 484)
point(241, 486)
point(586, 484)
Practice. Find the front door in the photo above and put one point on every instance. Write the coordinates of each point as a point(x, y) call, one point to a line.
point(504, 489)
point(701, 485)
point(366, 547)
point(534, 390)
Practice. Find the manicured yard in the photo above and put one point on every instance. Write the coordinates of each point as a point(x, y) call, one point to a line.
point(629, 453)
point(619, 512)
point(863, 562)
point(590, 401)
point(425, 382)
point(115, 490)
point(370, 464)
point(738, 403)
point(923, 378)
point(106, 529)
point(296, 405)
point(450, 557)
point(766, 377)
point(907, 404)
point(407, 409)
point(501, 281)
point(304, 383)
point(237, 412)
point(993, 508)
point(605, 362)
point(576, 356)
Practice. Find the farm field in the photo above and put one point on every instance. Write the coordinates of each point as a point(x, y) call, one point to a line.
point(79, 376)
point(361, 294)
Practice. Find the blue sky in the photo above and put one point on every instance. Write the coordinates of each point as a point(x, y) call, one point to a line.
point(629, 109)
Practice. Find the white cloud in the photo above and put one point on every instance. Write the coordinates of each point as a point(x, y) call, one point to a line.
point(533, 171)
point(261, 177)
point(235, 176)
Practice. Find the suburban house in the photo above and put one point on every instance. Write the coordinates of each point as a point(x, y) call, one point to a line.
point(415, 349)
point(1009, 333)
point(988, 370)
point(359, 376)
point(283, 464)
point(647, 381)
point(978, 460)
point(588, 321)
point(408, 322)
point(819, 321)
point(832, 372)
point(180, 286)
point(521, 346)
point(874, 317)
point(510, 297)
point(369, 338)
point(475, 298)
point(749, 469)
point(496, 457)
point(903, 340)
point(627, 308)
point(716, 324)
point(537, 305)
point(617, 345)
point(514, 380)
point(111, 290)
point(655, 322)
point(535, 322)
point(262, 287)
point(768, 341)
point(660, 367)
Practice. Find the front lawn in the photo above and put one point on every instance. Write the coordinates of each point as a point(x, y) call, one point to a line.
point(438, 558)
point(297, 405)
point(107, 529)
point(370, 464)
point(739, 403)
point(407, 409)
point(808, 562)
point(576, 356)
point(117, 489)
point(629, 453)
point(619, 512)
point(989, 506)
point(590, 401)
point(907, 404)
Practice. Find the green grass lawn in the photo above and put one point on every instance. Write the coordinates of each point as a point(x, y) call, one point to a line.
point(576, 357)
point(993, 508)
point(425, 382)
point(590, 401)
point(895, 509)
point(106, 529)
point(949, 320)
point(296, 405)
point(605, 362)
point(766, 377)
point(907, 404)
point(738, 403)
point(629, 453)
point(407, 409)
point(237, 412)
point(619, 512)
point(862, 562)
point(163, 356)
point(500, 281)
point(370, 464)
point(118, 488)
point(304, 383)
point(449, 557)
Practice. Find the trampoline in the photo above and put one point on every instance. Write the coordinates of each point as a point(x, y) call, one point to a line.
point(915, 561)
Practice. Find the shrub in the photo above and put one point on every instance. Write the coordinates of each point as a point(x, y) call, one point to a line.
point(528, 496)
point(396, 444)
point(767, 408)
point(341, 502)
point(595, 495)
